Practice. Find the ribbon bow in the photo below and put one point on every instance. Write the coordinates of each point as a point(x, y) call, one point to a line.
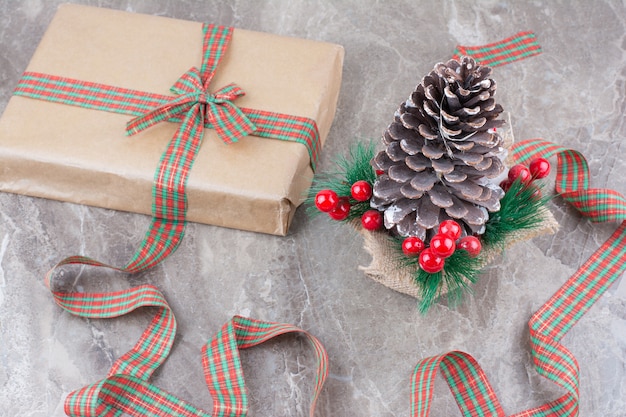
point(193, 101)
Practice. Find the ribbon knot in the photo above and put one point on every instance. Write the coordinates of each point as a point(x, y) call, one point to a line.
point(193, 101)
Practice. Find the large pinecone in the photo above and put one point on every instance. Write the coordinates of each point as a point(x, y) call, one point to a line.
point(441, 149)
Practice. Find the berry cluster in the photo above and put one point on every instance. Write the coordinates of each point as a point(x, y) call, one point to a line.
point(338, 208)
point(448, 237)
point(431, 259)
point(538, 168)
point(442, 245)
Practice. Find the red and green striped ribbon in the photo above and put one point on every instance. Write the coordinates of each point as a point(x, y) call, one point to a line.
point(222, 365)
point(472, 391)
point(194, 109)
point(142, 360)
point(131, 102)
point(519, 46)
point(127, 389)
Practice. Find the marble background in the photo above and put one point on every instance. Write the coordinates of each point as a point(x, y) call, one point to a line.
point(573, 94)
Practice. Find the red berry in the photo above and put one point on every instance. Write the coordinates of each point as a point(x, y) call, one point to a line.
point(326, 200)
point(506, 184)
point(521, 172)
point(442, 245)
point(379, 172)
point(372, 220)
point(471, 244)
point(361, 190)
point(430, 262)
point(342, 210)
point(450, 228)
point(540, 168)
point(412, 246)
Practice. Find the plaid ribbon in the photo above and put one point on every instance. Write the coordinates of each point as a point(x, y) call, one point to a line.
point(473, 393)
point(127, 389)
point(195, 109)
point(222, 365)
point(519, 46)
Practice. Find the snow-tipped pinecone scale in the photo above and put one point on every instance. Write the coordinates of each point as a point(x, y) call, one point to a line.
point(441, 150)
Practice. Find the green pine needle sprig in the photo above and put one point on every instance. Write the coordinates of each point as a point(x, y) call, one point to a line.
point(520, 209)
point(349, 169)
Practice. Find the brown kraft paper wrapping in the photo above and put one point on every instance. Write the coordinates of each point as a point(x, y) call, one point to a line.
point(79, 155)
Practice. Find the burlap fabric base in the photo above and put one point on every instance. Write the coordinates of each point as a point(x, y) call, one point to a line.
point(390, 270)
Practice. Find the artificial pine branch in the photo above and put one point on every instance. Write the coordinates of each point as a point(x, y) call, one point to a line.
point(349, 169)
point(520, 209)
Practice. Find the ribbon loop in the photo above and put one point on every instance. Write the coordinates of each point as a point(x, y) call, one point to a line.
point(142, 359)
point(189, 82)
point(228, 93)
point(222, 365)
point(229, 121)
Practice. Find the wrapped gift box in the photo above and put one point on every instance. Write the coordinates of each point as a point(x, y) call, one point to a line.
point(83, 155)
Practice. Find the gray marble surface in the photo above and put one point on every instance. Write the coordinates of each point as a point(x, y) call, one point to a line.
point(573, 94)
